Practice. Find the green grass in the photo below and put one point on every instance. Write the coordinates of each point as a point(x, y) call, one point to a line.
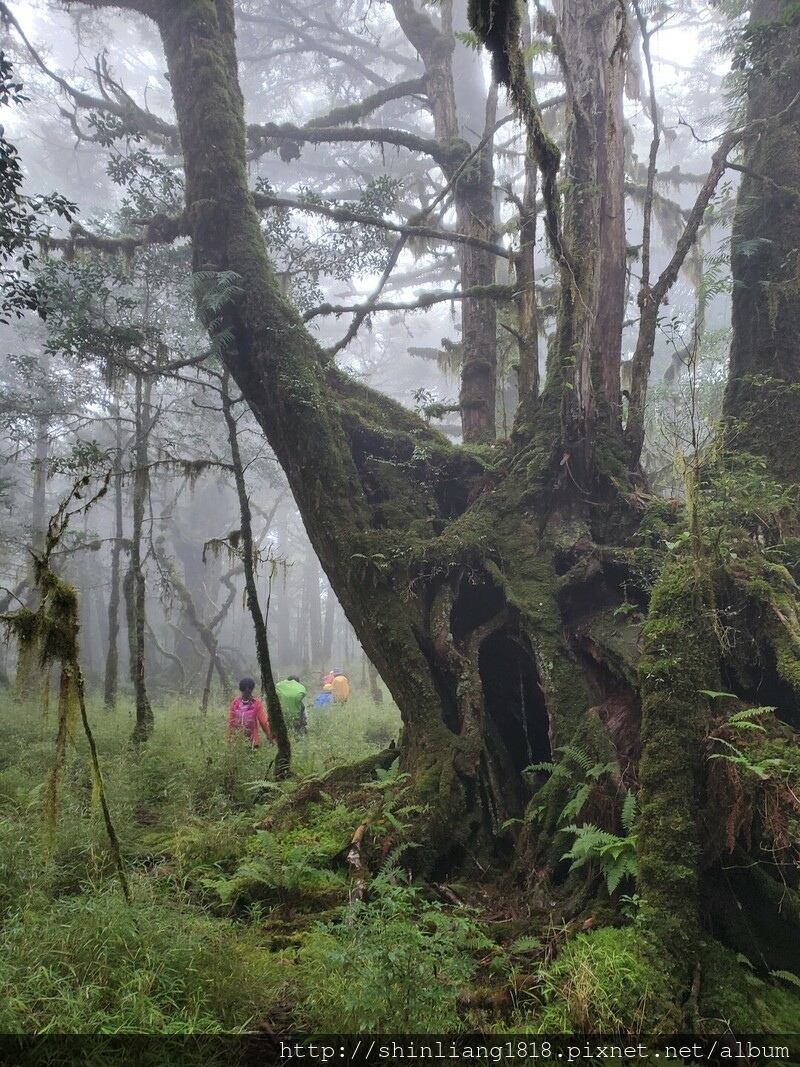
point(240, 897)
point(195, 952)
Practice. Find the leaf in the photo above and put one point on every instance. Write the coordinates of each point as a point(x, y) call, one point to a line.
point(511, 822)
point(525, 944)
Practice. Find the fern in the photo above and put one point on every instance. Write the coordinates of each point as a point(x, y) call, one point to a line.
point(628, 812)
point(533, 768)
point(763, 769)
point(615, 856)
point(742, 720)
point(589, 843)
point(468, 39)
point(574, 805)
point(214, 289)
point(524, 945)
point(579, 756)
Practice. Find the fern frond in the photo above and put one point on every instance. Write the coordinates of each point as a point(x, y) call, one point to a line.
point(628, 812)
point(575, 804)
point(578, 755)
point(525, 944)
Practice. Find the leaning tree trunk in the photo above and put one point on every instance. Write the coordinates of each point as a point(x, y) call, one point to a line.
point(448, 572)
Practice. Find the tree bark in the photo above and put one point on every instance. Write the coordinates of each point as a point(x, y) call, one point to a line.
point(584, 362)
point(473, 198)
point(283, 758)
point(112, 655)
point(134, 586)
point(761, 407)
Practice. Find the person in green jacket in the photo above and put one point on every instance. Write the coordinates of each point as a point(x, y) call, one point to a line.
point(291, 694)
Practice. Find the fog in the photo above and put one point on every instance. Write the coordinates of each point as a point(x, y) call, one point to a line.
point(119, 377)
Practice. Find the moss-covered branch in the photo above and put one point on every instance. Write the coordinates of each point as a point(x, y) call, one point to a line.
point(424, 300)
point(410, 229)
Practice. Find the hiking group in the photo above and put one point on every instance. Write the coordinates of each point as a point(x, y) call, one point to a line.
point(247, 714)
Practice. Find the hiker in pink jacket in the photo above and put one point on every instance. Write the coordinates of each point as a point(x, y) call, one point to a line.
point(247, 714)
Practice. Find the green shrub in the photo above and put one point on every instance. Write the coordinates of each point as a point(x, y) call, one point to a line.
point(294, 864)
point(393, 965)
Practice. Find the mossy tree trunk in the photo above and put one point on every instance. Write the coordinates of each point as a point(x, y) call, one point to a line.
point(761, 402)
point(426, 575)
point(583, 365)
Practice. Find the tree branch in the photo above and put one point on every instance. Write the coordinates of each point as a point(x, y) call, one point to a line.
point(424, 300)
point(268, 136)
point(354, 112)
point(344, 214)
point(651, 299)
point(371, 303)
point(123, 107)
point(783, 190)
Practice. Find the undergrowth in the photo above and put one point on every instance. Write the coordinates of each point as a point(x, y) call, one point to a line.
point(245, 914)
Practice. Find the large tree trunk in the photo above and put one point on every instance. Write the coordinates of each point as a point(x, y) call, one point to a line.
point(761, 405)
point(583, 366)
point(453, 598)
point(473, 198)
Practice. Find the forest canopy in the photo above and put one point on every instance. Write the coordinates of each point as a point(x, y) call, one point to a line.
point(279, 235)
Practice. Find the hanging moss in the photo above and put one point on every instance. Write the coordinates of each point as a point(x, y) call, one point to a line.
point(496, 23)
point(50, 634)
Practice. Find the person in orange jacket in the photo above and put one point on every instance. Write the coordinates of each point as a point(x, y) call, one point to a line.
point(340, 688)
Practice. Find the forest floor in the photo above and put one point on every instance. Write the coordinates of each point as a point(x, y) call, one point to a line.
point(244, 914)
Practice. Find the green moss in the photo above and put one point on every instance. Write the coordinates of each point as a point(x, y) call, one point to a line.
point(496, 24)
point(679, 659)
point(733, 998)
point(619, 641)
